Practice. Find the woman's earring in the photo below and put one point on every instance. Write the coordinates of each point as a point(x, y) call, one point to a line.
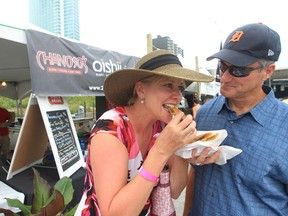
point(142, 101)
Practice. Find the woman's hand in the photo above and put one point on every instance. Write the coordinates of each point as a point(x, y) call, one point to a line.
point(177, 133)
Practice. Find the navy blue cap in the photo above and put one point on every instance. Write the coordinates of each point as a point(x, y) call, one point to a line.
point(249, 43)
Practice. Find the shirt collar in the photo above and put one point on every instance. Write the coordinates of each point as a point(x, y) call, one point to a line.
point(221, 102)
point(259, 112)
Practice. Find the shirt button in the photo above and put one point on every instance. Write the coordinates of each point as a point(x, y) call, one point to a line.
point(231, 122)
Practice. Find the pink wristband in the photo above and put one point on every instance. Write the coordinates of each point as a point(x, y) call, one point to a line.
point(147, 175)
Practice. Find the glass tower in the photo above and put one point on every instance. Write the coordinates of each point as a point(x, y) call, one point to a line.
point(60, 17)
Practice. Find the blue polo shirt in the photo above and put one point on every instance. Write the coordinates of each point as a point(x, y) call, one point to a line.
point(254, 183)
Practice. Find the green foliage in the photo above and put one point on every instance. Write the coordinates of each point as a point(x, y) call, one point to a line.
point(46, 201)
point(42, 191)
point(10, 104)
point(73, 102)
point(65, 187)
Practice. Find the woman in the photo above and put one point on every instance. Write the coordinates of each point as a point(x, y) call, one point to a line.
point(132, 143)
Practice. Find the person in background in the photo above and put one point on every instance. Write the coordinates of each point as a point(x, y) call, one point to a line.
point(6, 118)
point(196, 106)
point(203, 101)
point(132, 143)
point(256, 181)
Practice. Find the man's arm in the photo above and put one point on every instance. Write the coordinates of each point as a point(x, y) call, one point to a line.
point(189, 195)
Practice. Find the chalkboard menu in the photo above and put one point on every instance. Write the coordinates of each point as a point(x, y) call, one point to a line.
point(47, 123)
point(63, 137)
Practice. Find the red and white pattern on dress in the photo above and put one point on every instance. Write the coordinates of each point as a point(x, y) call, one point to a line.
point(116, 123)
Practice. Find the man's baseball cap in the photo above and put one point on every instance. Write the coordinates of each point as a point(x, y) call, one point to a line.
point(249, 43)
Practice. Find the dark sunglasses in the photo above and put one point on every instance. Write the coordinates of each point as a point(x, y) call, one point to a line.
point(237, 71)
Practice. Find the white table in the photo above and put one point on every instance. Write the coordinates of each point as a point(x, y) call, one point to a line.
point(8, 192)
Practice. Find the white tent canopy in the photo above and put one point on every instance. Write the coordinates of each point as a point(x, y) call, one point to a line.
point(14, 64)
point(212, 88)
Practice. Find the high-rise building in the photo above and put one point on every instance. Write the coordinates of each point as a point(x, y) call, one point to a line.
point(60, 17)
point(168, 44)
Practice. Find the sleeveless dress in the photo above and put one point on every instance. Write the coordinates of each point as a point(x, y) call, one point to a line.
point(116, 123)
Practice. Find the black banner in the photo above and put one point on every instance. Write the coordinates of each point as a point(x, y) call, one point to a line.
point(60, 67)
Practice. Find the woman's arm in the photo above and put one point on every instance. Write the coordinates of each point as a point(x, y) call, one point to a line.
point(178, 175)
point(109, 161)
point(179, 169)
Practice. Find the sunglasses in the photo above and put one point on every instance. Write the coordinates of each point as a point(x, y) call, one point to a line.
point(237, 71)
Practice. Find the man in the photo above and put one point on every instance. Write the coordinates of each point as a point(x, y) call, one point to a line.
point(255, 182)
point(6, 118)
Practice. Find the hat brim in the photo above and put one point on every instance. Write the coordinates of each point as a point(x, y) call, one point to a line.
point(233, 57)
point(119, 86)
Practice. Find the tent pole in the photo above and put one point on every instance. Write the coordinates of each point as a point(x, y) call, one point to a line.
point(17, 108)
point(149, 43)
point(198, 83)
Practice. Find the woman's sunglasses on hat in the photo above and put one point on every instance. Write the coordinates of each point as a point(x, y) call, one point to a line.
point(237, 71)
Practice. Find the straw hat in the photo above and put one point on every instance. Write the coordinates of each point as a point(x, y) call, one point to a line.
point(119, 85)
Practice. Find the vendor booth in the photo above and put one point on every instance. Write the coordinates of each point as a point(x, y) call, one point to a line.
point(47, 68)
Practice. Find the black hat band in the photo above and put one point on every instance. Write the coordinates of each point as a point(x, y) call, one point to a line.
point(160, 61)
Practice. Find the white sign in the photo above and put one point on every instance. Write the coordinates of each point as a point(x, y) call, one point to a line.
point(47, 121)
